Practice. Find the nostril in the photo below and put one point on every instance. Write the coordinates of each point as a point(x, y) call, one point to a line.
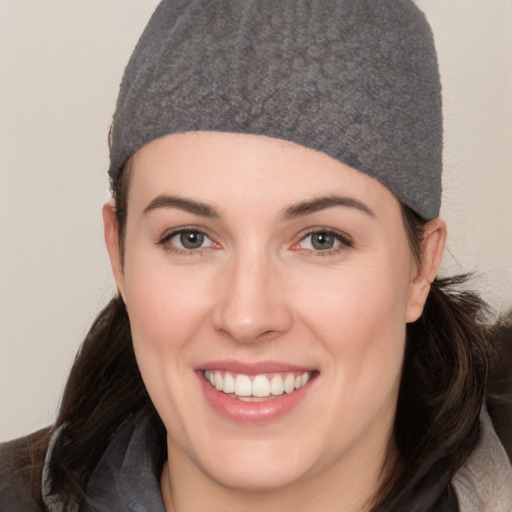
point(260, 323)
point(249, 334)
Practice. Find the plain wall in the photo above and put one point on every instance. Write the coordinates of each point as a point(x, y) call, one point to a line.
point(61, 62)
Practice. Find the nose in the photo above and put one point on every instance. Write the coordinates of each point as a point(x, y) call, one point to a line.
point(252, 304)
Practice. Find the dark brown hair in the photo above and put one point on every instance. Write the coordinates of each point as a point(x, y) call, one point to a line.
point(437, 422)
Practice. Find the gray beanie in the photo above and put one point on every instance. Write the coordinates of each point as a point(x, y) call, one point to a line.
point(355, 79)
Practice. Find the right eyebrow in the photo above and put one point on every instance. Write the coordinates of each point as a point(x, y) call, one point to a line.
point(322, 203)
point(181, 203)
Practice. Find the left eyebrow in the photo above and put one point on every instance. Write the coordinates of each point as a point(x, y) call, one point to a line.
point(321, 203)
point(181, 203)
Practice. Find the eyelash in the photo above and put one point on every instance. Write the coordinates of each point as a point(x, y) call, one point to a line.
point(344, 241)
point(165, 241)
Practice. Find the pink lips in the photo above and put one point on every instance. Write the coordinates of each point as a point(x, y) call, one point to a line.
point(253, 368)
point(252, 412)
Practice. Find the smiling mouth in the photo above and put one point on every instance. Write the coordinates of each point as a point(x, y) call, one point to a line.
point(256, 388)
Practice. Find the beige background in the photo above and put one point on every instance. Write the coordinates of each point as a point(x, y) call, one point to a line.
point(61, 63)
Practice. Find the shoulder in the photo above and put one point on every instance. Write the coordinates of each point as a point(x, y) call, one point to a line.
point(21, 464)
point(484, 483)
point(499, 401)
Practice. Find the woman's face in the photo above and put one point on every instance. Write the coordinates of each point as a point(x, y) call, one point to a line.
point(263, 267)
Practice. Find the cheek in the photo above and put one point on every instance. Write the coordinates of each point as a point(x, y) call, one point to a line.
point(167, 308)
point(164, 303)
point(359, 316)
point(358, 306)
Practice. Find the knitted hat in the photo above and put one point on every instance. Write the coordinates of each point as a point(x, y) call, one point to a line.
point(355, 79)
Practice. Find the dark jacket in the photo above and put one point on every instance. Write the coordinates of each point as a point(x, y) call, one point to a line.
point(126, 477)
point(21, 467)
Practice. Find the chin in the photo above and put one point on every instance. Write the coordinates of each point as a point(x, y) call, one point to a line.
point(256, 474)
point(264, 462)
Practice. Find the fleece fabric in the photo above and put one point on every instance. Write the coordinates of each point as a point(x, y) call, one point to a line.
point(484, 483)
point(126, 478)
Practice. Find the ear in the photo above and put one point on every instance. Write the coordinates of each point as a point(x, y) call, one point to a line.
point(111, 231)
point(432, 248)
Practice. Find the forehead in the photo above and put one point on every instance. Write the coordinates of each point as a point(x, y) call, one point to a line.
point(226, 169)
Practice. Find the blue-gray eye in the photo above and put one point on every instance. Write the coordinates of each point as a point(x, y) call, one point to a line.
point(322, 241)
point(190, 239)
point(186, 241)
point(325, 241)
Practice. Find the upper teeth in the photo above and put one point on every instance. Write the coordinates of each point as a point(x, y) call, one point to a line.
point(258, 386)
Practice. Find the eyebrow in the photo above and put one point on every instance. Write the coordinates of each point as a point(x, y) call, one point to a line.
point(187, 205)
point(322, 203)
point(292, 212)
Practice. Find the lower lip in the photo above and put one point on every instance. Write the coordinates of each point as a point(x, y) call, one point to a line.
point(252, 412)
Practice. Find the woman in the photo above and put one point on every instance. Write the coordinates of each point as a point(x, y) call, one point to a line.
point(280, 340)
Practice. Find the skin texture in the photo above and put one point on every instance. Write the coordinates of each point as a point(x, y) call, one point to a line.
point(259, 290)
